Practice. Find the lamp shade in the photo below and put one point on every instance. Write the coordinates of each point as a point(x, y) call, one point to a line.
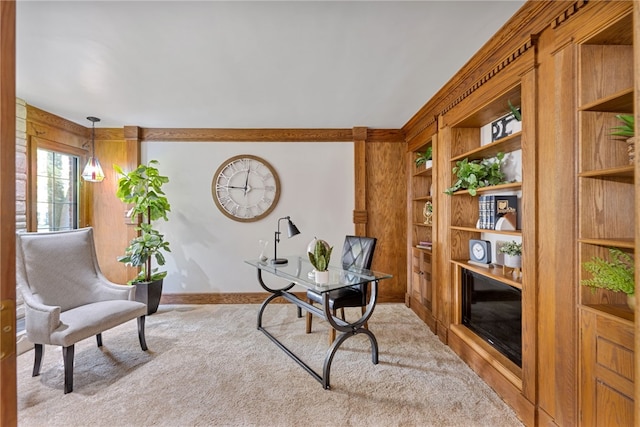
point(93, 171)
point(292, 229)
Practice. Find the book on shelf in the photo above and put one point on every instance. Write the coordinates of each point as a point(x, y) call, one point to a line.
point(497, 212)
point(424, 245)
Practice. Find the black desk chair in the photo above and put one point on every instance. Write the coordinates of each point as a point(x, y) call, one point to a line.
point(356, 252)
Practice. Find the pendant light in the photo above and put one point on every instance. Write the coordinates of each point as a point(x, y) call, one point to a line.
point(93, 171)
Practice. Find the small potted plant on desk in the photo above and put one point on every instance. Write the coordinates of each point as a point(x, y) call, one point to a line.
point(142, 188)
point(615, 275)
point(320, 260)
point(512, 255)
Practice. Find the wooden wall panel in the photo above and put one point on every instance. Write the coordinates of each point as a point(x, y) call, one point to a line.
point(113, 230)
point(387, 215)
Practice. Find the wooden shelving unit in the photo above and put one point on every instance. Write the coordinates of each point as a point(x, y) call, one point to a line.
point(606, 195)
point(421, 290)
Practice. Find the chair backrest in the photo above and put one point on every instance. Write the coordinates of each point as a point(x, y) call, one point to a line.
point(58, 268)
point(358, 252)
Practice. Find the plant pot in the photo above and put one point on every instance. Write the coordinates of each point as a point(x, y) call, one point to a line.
point(322, 277)
point(631, 301)
point(512, 261)
point(631, 149)
point(428, 164)
point(149, 293)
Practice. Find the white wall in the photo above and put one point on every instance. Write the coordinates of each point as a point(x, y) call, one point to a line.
point(208, 249)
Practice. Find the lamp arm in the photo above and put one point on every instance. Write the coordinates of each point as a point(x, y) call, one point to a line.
point(277, 238)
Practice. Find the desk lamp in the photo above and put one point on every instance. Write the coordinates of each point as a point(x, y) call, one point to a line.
point(292, 231)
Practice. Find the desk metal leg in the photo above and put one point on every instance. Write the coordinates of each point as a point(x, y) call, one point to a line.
point(347, 329)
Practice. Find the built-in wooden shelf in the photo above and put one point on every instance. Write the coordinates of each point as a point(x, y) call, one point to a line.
point(627, 243)
point(422, 198)
point(420, 224)
point(485, 230)
point(615, 311)
point(423, 172)
point(492, 272)
point(499, 187)
point(626, 171)
point(504, 145)
point(618, 102)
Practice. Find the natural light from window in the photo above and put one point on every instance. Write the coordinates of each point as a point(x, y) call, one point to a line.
point(57, 191)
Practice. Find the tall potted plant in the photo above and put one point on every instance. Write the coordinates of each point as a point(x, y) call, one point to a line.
point(142, 189)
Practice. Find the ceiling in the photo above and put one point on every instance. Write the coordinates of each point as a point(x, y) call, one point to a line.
point(241, 64)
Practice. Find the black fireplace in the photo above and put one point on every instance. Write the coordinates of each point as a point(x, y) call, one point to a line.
point(493, 311)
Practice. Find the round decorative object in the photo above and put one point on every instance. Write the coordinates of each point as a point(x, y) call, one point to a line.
point(245, 188)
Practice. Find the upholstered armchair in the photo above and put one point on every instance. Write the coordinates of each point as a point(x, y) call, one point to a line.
point(356, 252)
point(67, 298)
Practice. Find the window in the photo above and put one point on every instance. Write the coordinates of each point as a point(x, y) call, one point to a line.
point(57, 191)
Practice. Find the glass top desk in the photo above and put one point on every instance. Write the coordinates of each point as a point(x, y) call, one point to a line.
point(296, 272)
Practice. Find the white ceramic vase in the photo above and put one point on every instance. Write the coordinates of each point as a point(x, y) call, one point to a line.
point(322, 277)
point(512, 261)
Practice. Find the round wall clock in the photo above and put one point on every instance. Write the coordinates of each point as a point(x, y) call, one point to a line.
point(245, 188)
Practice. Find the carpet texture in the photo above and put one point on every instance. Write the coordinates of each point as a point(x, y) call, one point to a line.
point(208, 365)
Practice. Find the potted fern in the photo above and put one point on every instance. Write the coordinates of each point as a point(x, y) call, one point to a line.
point(627, 130)
point(615, 274)
point(320, 258)
point(142, 189)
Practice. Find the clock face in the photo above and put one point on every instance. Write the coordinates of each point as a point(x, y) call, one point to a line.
point(478, 251)
point(245, 188)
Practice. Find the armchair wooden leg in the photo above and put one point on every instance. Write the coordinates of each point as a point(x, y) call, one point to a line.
point(37, 363)
point(309, 319)
point(67, 356)
point(143, 342)
point(99, 339)
point(342, 313)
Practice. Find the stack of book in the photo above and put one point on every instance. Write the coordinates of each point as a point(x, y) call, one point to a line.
point(424, 245)
point(498, 212)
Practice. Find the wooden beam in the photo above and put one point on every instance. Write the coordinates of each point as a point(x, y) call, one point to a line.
point(360, 181)
point(8, 383)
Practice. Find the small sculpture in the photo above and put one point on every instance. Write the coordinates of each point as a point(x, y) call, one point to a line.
point(428, 213)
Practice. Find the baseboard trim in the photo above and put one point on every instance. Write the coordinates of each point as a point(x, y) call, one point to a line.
point(232, 298)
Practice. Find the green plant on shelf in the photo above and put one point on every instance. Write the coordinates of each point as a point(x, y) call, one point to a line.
point(422, 158)
point(476, 174)
point(516, 111)
point(615, 274)
point(626, 128)
point(512, 248)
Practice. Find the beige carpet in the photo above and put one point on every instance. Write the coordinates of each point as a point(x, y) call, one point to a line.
point(208, 365)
